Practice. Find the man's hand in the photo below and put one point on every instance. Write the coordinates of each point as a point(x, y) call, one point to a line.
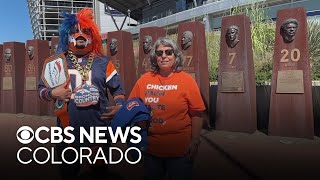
point(61, 92)
point(112, 111)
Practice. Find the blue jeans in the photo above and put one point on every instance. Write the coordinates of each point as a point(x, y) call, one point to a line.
point(177, 168)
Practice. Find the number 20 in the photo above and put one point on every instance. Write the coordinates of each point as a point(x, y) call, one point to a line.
point(294, 54)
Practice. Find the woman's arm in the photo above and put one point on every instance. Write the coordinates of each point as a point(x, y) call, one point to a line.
point(196, 121)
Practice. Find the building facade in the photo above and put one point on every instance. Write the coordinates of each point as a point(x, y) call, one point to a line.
point(113, 15)
point(45, 16)
point(169, 13)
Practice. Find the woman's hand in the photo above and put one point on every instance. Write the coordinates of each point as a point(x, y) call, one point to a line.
point(193, 148)
point(111, 113)
point(61, 92)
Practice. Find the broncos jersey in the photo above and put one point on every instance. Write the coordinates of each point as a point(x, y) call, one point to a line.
point(103, 76)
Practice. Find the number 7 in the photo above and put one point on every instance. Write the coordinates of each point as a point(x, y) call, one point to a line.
point(233, 55)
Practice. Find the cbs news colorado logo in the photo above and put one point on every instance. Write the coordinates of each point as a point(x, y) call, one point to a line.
point(25, 135)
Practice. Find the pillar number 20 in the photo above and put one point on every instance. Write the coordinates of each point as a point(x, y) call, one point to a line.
point(294, 55)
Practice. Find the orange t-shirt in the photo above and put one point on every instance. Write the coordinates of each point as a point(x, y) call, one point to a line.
point(171, 98)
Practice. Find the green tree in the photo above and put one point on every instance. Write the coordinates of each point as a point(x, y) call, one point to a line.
point(262, 35)
point(213, 48)
point(314, 46)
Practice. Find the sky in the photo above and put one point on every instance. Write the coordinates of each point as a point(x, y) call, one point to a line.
point(15, 21)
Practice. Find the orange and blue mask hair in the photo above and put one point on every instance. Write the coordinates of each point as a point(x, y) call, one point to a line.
point(85, 19)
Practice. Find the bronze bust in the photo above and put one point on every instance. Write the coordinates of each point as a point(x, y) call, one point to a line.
point(113, 46)
point(31, 52)
point(55, 48)
point(288, 30)
point(186, 40)
point(7, 54)
point(147, 44)
point(232, 36)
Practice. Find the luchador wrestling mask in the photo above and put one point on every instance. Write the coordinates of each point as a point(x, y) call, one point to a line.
point(80, 40)
point(79, 34)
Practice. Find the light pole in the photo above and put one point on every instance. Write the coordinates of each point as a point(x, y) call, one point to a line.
point(129, 16)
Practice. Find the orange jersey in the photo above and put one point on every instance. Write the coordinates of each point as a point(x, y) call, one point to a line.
point(171, 98)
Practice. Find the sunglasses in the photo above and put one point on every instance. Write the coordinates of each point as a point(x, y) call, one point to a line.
point(168, 52)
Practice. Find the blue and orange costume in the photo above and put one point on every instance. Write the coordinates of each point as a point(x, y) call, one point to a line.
point(90, 75)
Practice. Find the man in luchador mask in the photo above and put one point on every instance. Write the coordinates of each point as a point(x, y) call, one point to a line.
point(80, 96)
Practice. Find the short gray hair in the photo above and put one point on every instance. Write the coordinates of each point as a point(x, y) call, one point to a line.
point(147, 37)
point(188, 34)
point(232, 27)
point(165, 41)
point(289, 21)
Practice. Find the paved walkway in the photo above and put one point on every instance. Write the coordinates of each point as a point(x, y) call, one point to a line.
point(227, 155)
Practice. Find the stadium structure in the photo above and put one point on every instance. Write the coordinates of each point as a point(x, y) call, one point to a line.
point(131, 15)
point(45, 16)
point(169, 13)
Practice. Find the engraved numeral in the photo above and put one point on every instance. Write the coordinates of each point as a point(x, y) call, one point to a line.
point(31, 68)
point(8, 68)
point(116, 63)
point(284, 57)
point(189, 60)
point(294, 55)
point(233, 55)
point(144, 63)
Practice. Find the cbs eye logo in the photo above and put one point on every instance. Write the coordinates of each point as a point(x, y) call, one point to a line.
point(25, 134)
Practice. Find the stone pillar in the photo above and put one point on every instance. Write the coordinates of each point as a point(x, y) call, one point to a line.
point(120, 50)
point(192, 42)
point(1, 69)
point(53, 48)
point(36, 52)
point(291, 110)
point(12, 77)
point(148, 36)
point(236, 97)
point(54, 45)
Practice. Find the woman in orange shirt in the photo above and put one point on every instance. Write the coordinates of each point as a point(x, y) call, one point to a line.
point(176, 103)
